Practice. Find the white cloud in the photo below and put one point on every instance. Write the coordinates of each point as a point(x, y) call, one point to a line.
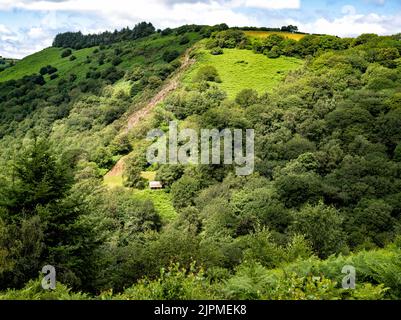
point(91, 16)
point(103, 15)
point(353, 24)
point(35, 32)
point(211, 11)
point(4, 29)
point(273, 4)
point(348, 9)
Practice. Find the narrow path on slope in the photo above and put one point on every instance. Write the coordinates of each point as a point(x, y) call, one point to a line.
point(137, 116)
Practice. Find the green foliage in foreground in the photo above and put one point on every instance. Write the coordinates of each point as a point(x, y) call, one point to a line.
point(311, 279)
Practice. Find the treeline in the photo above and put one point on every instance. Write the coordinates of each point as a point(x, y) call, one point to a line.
point(289, 28)
point(276, 45)
point(77, 40)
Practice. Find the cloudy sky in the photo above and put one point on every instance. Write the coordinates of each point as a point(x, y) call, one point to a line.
point(27, 26)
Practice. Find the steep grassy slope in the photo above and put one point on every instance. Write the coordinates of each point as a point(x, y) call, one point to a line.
point(240, 69)
point(50, 56)
point(87, 59)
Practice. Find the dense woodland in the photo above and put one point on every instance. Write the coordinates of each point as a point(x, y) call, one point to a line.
point(326, 191)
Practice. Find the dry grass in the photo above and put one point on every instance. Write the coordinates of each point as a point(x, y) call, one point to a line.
point(265, 34)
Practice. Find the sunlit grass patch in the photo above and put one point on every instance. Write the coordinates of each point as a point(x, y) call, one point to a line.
point(161, 200)
point(244, 69)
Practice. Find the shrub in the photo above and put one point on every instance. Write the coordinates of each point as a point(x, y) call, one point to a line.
point(207, 73)
point(154, 82)
point(169, 56)
point(66, 53)
point(43, 71)
point(51, 70)
point(246, 97)
point(184, 40)
point(321, 225)
point(184, 191)
point(216, 51)
point(116, 61)
point(33, 291)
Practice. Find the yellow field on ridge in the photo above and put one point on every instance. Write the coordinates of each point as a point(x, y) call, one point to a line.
point(265, 34)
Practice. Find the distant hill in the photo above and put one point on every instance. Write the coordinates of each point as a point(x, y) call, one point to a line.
point(80, 62)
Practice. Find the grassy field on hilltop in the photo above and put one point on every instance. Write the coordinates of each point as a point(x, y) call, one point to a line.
point(240, 69)
point(137, 53)
point(265, 34)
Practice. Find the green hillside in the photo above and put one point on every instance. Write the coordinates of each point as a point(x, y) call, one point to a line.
point(88, 58)
point(323, 191)
point(50, 56)
point(241, 69)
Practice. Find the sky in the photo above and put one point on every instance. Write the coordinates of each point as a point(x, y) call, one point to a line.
point(27, 26)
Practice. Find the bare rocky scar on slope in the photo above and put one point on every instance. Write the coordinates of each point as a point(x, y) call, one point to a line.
point(133, 119)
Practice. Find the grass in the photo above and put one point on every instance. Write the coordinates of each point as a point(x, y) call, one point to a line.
point(265, 34)
point(149, 175)
point(118, 180)
point(161, 200)
point(115, 181)
point(139, 53)
point(241, 69)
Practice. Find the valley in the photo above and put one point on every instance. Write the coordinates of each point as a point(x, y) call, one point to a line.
point(324, 192)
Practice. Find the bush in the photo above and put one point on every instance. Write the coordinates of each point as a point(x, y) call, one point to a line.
point(184, 40)
point(33, 291)
point(154, 82)
point(112, 74)
point(184, 191)
point(66, 53)
point(175, 283)
point(51, 70)
point(246, 97)
point(169, 56)
point(43, 71)
point(207, 73)
point(135, 74)
point(166, 32)
point(322, 226)
point(116, 61)
point(134, 165)
point(136, 88)
point(274, 53)
point(216, 51)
